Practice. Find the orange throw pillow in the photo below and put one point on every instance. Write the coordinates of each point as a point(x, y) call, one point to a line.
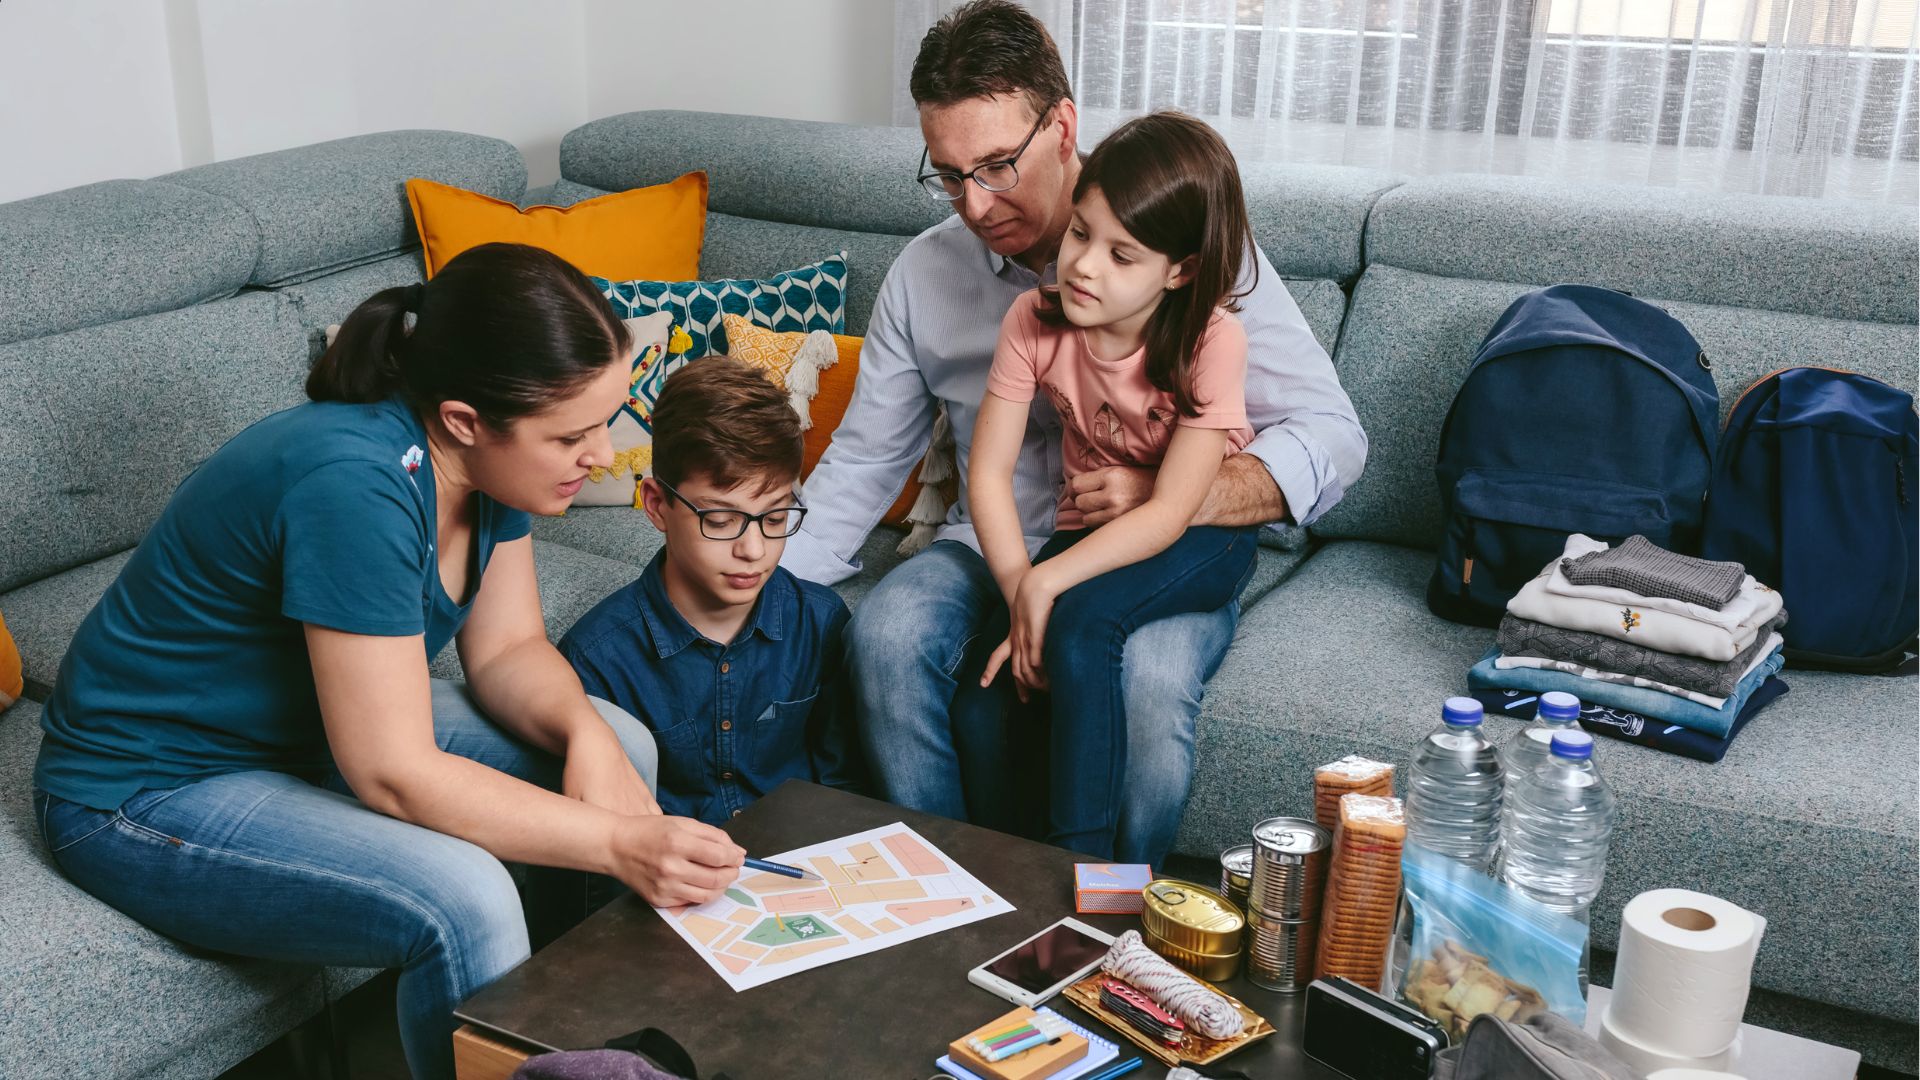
point(827, 409)
point(652, 233)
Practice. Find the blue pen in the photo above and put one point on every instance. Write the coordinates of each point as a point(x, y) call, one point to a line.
point(780, 868)
point(1121, 1069)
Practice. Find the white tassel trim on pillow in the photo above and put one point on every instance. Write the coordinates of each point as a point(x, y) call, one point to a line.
point(937, 466)
point(917, 540)
point(816, 354)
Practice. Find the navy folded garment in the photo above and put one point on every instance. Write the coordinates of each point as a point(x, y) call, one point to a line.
point(1634, 728)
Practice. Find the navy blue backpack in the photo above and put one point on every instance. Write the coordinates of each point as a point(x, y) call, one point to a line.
point(1585, 411)
point(1815, 494)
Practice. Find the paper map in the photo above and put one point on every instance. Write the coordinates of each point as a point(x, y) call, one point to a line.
point(878, 888)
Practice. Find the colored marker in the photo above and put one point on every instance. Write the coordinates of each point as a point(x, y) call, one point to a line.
point(782, 869)
point(999, 1041)
point(1025, 1042)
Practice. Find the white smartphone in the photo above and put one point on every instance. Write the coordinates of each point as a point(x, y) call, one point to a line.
point(1044, 964)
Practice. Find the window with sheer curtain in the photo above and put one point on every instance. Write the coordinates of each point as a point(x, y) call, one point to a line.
point(1793, 97)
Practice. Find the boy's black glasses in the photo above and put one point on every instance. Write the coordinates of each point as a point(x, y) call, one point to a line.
point(996, 176)
point(776, 524)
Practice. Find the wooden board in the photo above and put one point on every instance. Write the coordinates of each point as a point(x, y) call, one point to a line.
point(481, 1055)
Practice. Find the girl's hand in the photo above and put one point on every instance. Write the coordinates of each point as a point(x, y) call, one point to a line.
point(1031, 610)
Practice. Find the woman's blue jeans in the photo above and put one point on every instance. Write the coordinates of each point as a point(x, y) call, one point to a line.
point(270, 865)
point(1085, 643)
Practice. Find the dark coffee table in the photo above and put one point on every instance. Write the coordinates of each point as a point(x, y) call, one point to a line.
point(882, 1016)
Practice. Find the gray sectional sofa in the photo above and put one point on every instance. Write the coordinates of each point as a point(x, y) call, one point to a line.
point(143, 322)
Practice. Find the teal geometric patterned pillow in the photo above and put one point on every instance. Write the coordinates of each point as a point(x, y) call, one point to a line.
point(811, 298)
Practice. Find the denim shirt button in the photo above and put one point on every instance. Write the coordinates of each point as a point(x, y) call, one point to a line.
point(726, 725)
point(725, 667)
point(726, 776)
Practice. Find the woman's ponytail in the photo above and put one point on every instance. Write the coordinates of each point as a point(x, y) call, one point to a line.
point(506, 328)
point(362, 364)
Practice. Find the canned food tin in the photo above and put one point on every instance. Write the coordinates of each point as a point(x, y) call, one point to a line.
point(1280, 952)
point(1289, 868)
point(1236, 874)
point(1194, 927)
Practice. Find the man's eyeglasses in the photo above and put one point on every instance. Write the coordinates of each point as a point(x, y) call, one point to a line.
point(999, 175)
point(776, 524)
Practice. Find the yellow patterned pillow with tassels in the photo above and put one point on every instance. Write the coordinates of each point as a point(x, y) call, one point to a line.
point(11, 682)
point(792, 361)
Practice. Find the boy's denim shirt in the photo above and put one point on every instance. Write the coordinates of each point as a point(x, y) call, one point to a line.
point(732, 721)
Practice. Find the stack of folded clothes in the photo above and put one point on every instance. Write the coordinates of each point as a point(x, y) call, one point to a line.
point(1687, 647)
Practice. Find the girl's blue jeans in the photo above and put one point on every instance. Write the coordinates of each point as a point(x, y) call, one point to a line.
point(1086, 638)
point(280, 867)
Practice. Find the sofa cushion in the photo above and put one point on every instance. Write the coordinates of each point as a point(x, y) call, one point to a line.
point(1409, 339)
point(151, 1006)
point(46, 614)
point(105, 422)
point(117, 250)
point(841, 176)
point(1310, 219)
point(1797, 823)
point(1830, 257)
point(1324, 306)
point(324, 301)
point(337, 204)
point(801, 172)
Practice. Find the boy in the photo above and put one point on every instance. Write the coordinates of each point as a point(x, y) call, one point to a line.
point(732, 662)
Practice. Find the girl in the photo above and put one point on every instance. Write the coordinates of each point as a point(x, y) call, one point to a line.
point(1138, 352)
point(243, 748)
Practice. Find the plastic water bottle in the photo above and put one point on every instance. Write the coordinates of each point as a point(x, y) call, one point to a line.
point(1563, 815)
point(1558, 711)
point(1453, 798)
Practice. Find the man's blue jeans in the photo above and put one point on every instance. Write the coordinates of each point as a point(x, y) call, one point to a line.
point(940, 743)
point(269, 865)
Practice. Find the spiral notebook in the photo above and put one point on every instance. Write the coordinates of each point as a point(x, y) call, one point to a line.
point(1099, 1052)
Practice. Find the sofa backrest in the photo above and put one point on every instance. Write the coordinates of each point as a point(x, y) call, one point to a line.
point(1762, 281)
point(145, 322)
point(783, 193)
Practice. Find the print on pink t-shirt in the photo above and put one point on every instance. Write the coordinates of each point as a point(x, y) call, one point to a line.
point(1109, 413)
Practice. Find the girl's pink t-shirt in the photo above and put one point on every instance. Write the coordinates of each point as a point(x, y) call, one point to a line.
point(1109, 413)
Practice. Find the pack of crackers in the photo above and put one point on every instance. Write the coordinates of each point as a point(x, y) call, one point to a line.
point(1363, 889)
point(1351, 775)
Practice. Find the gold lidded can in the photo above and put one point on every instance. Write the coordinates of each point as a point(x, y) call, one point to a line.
point(1236, 874)
point(1289, 868)
point(1197, 929)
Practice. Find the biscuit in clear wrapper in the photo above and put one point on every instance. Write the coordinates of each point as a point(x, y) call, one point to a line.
point(1351, 775)
point(1363, 889)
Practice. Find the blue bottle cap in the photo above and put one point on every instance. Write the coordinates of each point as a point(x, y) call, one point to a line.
point(1575, 745)
point(1559, 705)
point(1462, 712)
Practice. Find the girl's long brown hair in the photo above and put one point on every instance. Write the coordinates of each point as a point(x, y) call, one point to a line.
point(1174, 186)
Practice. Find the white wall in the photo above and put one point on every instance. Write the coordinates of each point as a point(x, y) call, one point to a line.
point(83, 96)
point(796, 59)
point(96, 89)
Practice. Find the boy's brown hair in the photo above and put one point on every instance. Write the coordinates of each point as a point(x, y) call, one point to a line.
point(722, 419)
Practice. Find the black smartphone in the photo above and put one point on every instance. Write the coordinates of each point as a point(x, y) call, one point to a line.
point(1366, 1036)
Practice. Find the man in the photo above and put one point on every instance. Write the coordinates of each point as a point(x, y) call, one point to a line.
point(1000, 126)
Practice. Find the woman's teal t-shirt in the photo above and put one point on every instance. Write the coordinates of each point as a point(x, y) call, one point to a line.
point(194, 663)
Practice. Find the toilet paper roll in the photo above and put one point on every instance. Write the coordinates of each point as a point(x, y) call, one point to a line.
point(1681, 977)
point(1646, 1059)
point(1692, 1074)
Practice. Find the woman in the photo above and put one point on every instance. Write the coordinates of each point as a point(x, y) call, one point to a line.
point(244, 749)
